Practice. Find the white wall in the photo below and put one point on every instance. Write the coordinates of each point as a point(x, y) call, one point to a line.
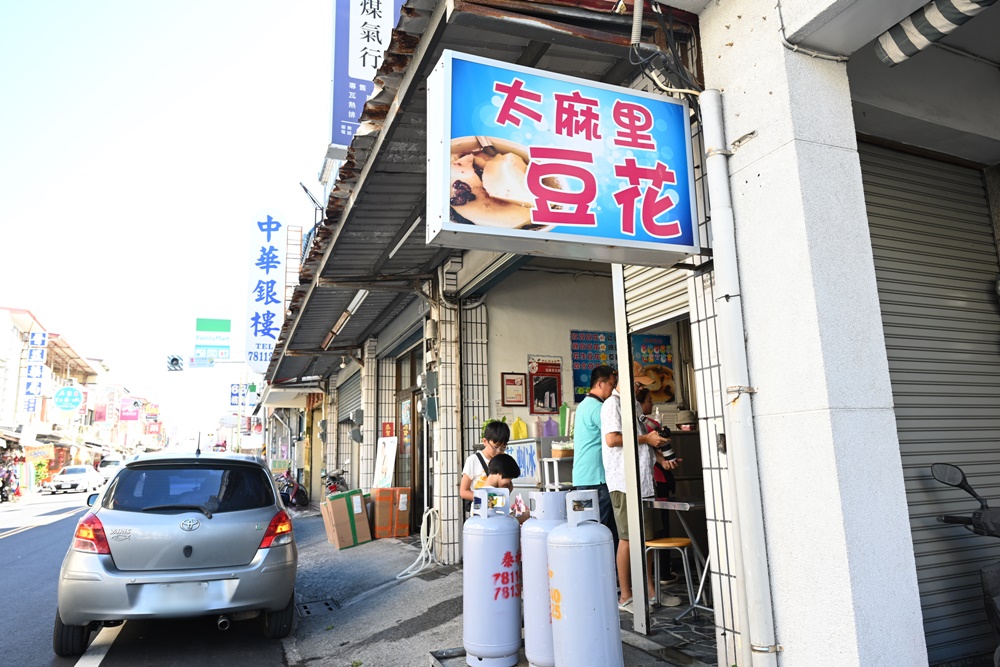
point(839, 551)
point(532, 313)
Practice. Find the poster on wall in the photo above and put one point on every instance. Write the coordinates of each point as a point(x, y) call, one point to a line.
point(590, 349)
point(385, 462)
point(657, 358)
point(545, 384)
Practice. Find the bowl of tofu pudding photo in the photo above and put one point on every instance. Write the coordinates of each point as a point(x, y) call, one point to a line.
point(488, 187)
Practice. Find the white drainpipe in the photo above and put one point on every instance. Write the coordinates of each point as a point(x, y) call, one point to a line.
point(741, 444)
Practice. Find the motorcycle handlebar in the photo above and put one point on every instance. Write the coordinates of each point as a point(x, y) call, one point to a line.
point(951, 518)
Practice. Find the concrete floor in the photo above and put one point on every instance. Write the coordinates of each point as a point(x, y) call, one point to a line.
point(353, 611)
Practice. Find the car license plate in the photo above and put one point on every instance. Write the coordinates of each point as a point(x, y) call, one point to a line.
point(184, 595)
point(65, 486)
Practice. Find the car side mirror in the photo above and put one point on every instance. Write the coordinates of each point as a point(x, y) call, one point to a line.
point(91, 499)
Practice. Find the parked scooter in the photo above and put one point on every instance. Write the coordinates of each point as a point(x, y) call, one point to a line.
point(336, 482)
point(984, 521)
point(293, 494)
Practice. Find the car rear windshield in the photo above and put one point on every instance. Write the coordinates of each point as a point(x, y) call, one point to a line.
point(106, 464)
point(211, 488)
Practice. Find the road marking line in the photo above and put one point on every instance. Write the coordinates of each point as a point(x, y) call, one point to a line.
point(41, 521)
point(98, 648)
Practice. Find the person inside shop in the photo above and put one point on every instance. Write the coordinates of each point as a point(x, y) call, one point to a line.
point(588, 466)
point(613, 457)
point(664, 484)
point(496, 434)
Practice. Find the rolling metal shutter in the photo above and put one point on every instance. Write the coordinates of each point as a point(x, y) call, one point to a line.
point(936, 266)
point(654, 295)
point(349, 396)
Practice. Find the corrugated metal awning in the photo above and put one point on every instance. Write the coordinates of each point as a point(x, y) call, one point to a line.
point(373, 235)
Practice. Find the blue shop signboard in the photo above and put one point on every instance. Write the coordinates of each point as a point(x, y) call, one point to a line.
point(532, 162)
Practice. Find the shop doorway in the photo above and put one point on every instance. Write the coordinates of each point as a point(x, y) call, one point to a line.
point(666, 356)
point(410, 455)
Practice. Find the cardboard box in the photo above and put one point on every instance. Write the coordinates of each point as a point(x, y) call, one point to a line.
point(370, 508)
point(346, 519)
point(392, 511)
point(331, 534)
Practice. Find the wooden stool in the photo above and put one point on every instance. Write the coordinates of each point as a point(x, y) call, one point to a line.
point(680, 544)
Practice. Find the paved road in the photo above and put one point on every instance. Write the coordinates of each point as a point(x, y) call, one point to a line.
point(351, 609)
point(34, 536)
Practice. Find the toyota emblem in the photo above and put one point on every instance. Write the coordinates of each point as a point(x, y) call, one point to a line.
point(190, 524)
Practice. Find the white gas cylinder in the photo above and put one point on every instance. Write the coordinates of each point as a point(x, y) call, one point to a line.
point(491, 581)
point(548, 510)
point(586, 631)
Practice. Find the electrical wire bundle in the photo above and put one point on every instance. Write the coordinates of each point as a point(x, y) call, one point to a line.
point(671, 62)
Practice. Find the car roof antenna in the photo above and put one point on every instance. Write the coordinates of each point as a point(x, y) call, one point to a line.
point(197, 452)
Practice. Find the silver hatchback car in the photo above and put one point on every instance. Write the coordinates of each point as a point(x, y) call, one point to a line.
point(179, 535)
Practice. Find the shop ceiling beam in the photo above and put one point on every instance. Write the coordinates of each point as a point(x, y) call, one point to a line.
point(544, 30)
point(619, 72)
point(407, 88)
point(532, 53)
point(326, 283)
point(343, 350)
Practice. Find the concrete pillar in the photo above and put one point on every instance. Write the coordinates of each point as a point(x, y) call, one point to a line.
point(840, 554)
point(369, 403)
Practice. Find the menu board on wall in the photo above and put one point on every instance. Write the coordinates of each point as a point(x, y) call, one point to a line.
point(589, 350)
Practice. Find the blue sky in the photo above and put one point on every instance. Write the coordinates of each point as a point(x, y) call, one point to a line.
point(138, 140)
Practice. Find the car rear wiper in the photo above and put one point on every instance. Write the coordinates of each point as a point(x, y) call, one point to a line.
point(201, 508)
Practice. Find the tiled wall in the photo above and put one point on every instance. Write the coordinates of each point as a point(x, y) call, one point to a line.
point(386, 398)
point(719, 507)
point(331, 455)
point(475, 376)
point(369, 426)
point(447, 440)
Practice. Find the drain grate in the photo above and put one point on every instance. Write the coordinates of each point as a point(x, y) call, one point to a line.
point(316, 607)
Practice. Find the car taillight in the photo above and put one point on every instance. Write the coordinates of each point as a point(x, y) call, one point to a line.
point(278, 532)
point(90, 535)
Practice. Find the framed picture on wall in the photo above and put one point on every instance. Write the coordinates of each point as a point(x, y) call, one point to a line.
point(544, 384)
point(515, 389)
point(546, 391)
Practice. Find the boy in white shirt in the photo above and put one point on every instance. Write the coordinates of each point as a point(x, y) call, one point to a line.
point(496, 434)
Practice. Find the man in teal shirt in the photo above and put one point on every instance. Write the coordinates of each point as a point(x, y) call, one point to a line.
point(588, 469)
